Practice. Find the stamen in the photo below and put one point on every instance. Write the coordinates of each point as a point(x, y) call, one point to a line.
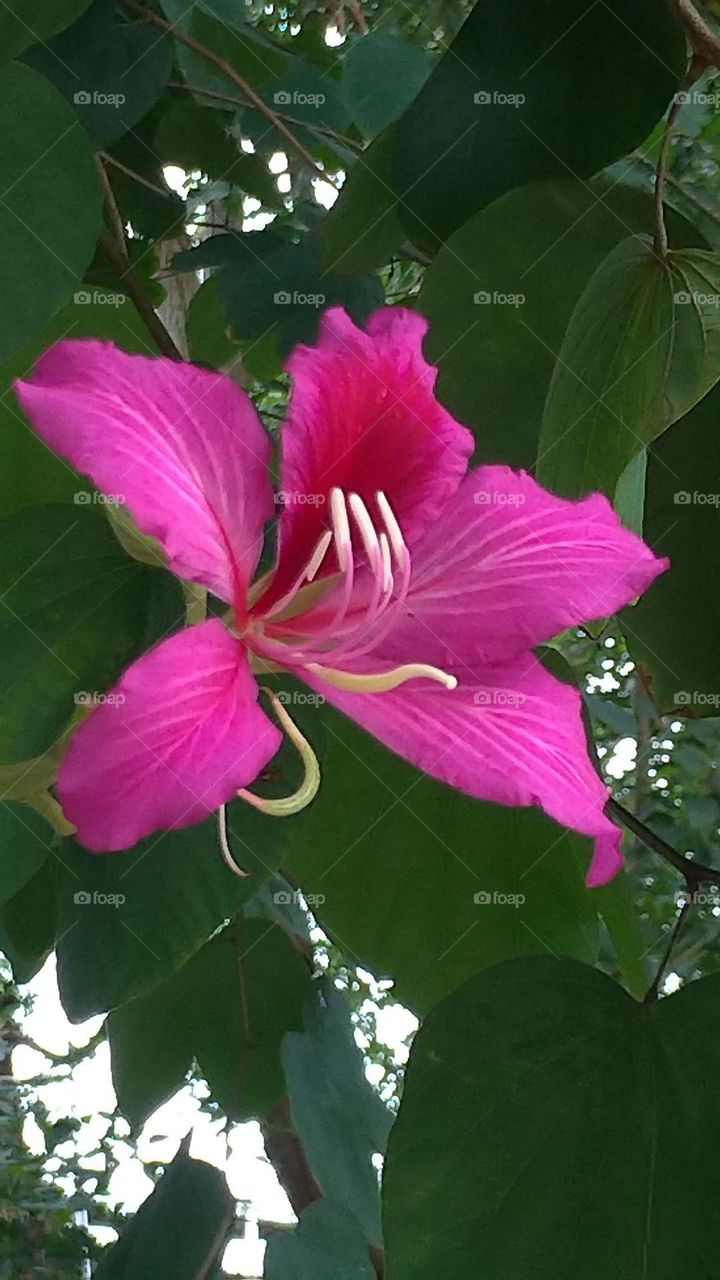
point(288, 805)
point(341, 527)
point(397, 541)
point(386, 564)
point(318, 555)
point(224, 843)
point(307, 573)
point(382, 681)
point(366, 527)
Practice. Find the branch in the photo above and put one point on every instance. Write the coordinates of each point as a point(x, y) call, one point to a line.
point(130, 173)
point(652, 993)
point(694, 873)
point(231, 74)
point(125, 273)
point(281, 115)
point(703, 40)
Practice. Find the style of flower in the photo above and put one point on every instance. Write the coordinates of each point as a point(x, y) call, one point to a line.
point(408, 590)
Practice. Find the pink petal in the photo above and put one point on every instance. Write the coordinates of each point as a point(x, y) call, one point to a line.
point(176, 738)
point(512, 734)
point(363, 417)
point(510, 565)
point(181, 446)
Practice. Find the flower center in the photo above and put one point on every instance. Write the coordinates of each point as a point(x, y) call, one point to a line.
point(347, 614)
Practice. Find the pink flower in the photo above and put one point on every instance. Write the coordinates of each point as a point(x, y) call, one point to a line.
point(407, 590)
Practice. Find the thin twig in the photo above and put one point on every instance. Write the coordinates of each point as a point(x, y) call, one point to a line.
point(704, 42)
point(130, 173)
point(694, 873)
point(227, 70)
point(125, 273)
point(281, 115)
point(113, 213)
point(692, 72)
point(652, 993)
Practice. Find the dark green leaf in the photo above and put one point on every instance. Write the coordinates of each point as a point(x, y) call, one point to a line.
point(229, 1008)
point(269, 285)
point(110, 948)
point(177, 1234)
point(23, 22)
point(24, 846)
point(539, 244)
point(48, 240)
point(381, 76)
point(27, 922)
point(339, 1118)
point(363, 229)
point(642, 347)
point(384, 843)
point(524, 93)
point(550, 1126)
point(327, 1244)
point(673, 630)
point(111, 72)
point(30, 473)
point(75, 610)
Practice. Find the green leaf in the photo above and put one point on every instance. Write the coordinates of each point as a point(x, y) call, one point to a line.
point(30, 474)
point(642, 347)
point(207, 326)
point(338, 1116)
point(363, 229)
point(110, 948)
point(75, 611)
point(384, 843)
point(523, 94)
point(111, 72)
point(228, 1008)
point(541, 244)
point(178, 1232)
point(306, 94)
point(327, 1244)
point(382, 73)
point(617, 908)
point(47, 241)
point(24, 846)
point(273, 286)
point(23, 22)
point(27, 922)
point(542, 1104)
point(672, 632)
